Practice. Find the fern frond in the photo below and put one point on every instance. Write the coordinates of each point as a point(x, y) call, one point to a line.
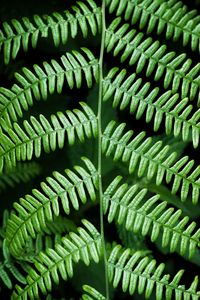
point(141, 98)
point(24, 142)
point(171, 18)
point(85, 245)
point(72, 69)
point(177, 71)
point(152, 160)
point(7, 267)
point(47, 239)
point(58, 191)
point(142, 274)
point(129, 205)
point(23, 172)
point(92, 294)
point(19, 34)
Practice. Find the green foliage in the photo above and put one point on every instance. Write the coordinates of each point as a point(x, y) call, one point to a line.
point(38, 84)
point(58, 191)
point(17, 34)
point(128, 206)
point(146, 157)
point(110, 84)
point(22, 143)
point(154, 58)
point(170, 17)
point(142, 99)
point(139, 272)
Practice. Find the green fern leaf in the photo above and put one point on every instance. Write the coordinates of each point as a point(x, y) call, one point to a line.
point(169, 17)
point(19, 34)
point(142, 274)
point(84, 245)
point(129, 205)
point(22, 143)
point(41, 82)
point(92, 294)
point(154, 58)
point(151, 159)
point(7, 267)
point(58, 191)
point(132, 92)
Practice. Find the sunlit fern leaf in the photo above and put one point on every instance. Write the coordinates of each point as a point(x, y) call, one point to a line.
point(73, 68)
point(152, 160)
point(92, 294)
point(144, 53)
point(171, 18)
point(53, 264)
point(58, 191)
point(23, 172)
point(24, 142)
point(17, 34)
point(142, 99)
point(142, 274)
point(141, 214)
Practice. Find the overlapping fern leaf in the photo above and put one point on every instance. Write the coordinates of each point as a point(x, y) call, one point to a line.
point(152, 159)
point(8, 270)
point(59, 191)
point(156, 205)
point(57, 263)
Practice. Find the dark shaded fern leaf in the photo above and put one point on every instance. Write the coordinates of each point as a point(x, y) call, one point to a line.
point(23, 172)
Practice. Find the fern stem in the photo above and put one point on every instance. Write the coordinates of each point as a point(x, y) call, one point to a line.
point(101, 77)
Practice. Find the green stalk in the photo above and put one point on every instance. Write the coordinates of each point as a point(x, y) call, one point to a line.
point(101, 77)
